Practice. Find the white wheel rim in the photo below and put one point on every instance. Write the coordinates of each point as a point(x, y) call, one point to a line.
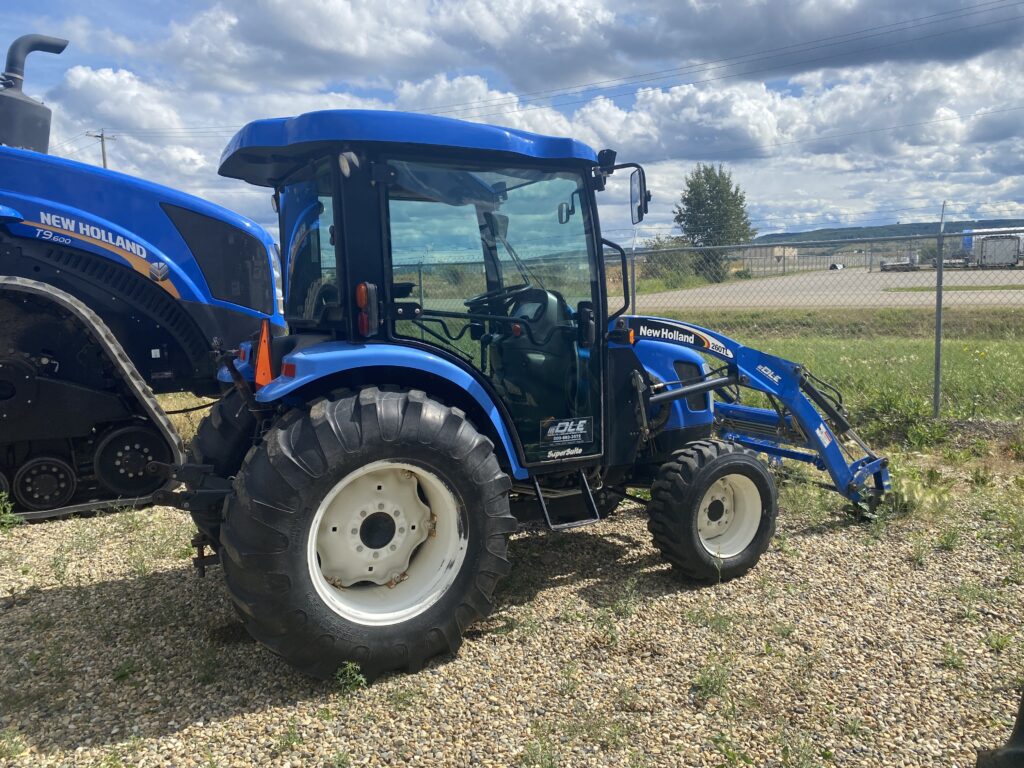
point(378, 554)
point(729, 516)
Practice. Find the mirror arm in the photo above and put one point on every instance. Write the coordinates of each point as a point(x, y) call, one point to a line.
point(625, 276)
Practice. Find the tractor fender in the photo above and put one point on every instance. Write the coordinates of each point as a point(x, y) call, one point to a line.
point(659, 359)
point(322, 361)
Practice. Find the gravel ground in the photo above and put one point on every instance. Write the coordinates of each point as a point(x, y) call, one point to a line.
point(895, 644)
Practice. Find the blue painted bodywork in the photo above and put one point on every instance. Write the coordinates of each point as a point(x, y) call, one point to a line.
point(659, 357)
point(861, 480)
point(260, 152)
point(9, 214)
point(334, 357)
point(115, 216)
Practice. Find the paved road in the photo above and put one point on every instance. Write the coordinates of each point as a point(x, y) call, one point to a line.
point(844, 288)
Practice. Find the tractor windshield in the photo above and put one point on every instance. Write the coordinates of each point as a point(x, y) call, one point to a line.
point(500, 261)
point(472, 232)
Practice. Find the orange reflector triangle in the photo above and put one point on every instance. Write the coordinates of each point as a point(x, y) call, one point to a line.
point(264, 374)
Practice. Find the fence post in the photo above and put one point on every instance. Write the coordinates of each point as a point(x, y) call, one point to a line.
point(632, 276)
point(937, 392)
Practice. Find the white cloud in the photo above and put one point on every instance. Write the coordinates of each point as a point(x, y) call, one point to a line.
point(231, 61)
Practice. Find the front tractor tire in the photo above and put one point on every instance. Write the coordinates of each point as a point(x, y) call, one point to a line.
point(223, 439)
point(712, 512)
point(372, 529)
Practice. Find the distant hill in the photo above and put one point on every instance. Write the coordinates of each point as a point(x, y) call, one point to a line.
point(887, 230)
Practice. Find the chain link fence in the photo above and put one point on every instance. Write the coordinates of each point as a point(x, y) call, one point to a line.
point(861, 313)
point(865, 315)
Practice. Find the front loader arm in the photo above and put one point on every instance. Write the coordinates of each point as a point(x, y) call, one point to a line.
point(805, 424)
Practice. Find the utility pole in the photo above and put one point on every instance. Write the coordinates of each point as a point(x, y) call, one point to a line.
point(937, 392)
point(104, 138)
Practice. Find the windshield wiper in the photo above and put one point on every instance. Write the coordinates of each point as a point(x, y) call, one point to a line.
point(524, 271)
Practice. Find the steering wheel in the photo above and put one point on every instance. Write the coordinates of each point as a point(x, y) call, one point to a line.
point(498, 294)
point(326, 294)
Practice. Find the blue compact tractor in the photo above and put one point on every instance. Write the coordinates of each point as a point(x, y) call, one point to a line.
point(461, 359)
point(111, 289)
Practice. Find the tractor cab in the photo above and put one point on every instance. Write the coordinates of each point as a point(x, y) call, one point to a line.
point(477, 244)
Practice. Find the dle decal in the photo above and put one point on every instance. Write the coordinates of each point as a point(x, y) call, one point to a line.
point(566, 431)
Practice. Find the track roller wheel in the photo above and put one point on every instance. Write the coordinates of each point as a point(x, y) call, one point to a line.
point(44, 482)
point(121, 459)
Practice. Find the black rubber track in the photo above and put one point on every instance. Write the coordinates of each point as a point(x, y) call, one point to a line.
point(279, 489)
point(223, 439)
point(676, 495)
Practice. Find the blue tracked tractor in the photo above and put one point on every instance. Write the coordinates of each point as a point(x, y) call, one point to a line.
point(457, 363)
point(111, 289)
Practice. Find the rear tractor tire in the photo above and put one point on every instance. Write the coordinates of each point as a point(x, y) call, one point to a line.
point(223, 439)
point(713, 509)
point(372, 529)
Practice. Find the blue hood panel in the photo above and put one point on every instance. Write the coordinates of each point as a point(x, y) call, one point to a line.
point(113, 215)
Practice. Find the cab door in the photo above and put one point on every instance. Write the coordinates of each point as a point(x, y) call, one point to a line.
point(502, 263)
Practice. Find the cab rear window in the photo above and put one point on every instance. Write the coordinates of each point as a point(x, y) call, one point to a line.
point(235, 264)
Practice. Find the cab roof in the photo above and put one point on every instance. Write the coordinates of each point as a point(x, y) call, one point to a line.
point(264, 151)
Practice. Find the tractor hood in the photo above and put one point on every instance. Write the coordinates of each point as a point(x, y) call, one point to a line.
point(264, 151)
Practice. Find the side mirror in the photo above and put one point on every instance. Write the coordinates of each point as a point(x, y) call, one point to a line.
point(638, 196)
point(563, 213)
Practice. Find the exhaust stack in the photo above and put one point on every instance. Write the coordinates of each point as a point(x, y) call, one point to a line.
point(25, 122)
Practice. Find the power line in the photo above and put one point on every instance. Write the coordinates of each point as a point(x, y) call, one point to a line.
point(104, 137)
point(908, 24)
point(901, 26)
point(816, 59)
point(68, 141)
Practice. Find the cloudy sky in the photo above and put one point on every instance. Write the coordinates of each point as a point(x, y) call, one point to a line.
point(828, 112)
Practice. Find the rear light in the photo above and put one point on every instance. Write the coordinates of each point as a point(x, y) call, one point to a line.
point(242, 354)
point(362, 295)
point(366, 300)
point(517, 330)
point(288, 370)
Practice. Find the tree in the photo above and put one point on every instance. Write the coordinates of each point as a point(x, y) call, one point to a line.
point(712, 211)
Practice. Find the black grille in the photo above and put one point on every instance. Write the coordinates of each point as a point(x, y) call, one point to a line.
point(691, 373)
point(135, 290)
point(235, 264)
